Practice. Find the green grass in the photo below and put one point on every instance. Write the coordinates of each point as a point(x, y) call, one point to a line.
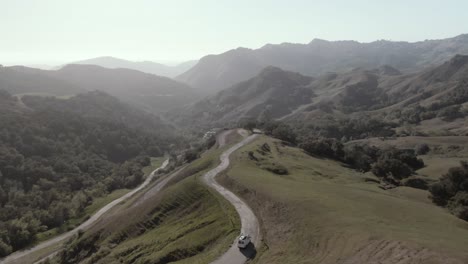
point(185, 223)
point(446, 151)
point(156, 162)
point(323, 212)
point(188, 225)
point(436, 165)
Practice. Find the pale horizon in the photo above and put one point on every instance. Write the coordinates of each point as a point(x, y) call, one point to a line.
point(54, 32)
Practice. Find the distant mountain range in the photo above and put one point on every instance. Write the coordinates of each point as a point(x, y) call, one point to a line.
point(437, 93)
point(147, 91)
point(216, 72)
point(143, 66)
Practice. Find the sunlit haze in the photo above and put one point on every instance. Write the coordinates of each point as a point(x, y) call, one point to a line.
point(56, 31)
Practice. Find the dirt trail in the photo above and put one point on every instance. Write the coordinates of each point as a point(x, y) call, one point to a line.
point(249, 221)
point(14, 258)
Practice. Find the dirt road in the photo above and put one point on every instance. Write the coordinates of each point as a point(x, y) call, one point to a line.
point(15, 257)
point(248, 219)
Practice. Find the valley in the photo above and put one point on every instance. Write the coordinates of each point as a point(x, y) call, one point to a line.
point(304, 152)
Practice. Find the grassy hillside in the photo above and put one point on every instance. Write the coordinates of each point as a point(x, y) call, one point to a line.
point(186, 223)
point(445, 152)
point(323, 212)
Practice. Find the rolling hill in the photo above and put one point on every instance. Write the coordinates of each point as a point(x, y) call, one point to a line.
point(216, 72)
point(320, 211)
point(274, 91)
point(384, 93)
point(20, 80)
point(143, 66)
point(147, 91)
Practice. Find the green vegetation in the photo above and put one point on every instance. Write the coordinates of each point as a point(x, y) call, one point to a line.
point(55, 159)
point(97, 204)
point(155, 163)
point(390, 164)
point(323, 212)
point(452, 191)
point(185, 223)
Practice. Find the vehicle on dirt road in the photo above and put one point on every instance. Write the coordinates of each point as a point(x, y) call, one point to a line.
point(244, 241)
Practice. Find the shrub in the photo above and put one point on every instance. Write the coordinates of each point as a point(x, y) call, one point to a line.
point(327, 147)
point(277, 169)
point(417, 183)
point(452, 190)
point(360, 157)
point(285, 133)
point(190, 155)
point(387, 167)
point(422, 149)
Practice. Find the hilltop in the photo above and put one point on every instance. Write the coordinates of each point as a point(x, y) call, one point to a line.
point(216, 72)
point(143, 66)
point(146, 91)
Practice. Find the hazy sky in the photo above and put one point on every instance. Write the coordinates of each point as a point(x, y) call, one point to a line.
point(57, 31)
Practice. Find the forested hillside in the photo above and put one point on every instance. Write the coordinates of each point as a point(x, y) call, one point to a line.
point(56, 157)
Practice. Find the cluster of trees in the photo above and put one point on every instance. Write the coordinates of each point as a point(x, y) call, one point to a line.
point(54, 163)
point(390, 164)
point(357, 127)
point(452, 191)
point(447, 108)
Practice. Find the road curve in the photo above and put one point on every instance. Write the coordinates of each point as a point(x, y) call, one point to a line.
point(248, 219)
point(19, 254)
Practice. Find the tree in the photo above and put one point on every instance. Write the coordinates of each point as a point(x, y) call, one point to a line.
point(190, 155)
point(327, 147)
point(388, 168)
point(452, 190)
point(422, 149)
point(5, 249)
point(285, 133)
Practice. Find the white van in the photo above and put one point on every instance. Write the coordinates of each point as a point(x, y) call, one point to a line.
point(243, 241)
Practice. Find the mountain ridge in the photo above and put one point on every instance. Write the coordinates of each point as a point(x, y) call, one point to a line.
point(143, 66)
point(216, 72)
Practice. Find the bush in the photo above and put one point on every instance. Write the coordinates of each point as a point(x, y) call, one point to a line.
point(387, 167)
point(360, 157)
point(5, 249)
point(463, 214)
point(417, 183)
point(422, 149)
point(326, 147)
point(190, 155)
point(277, 169)
point(452, 190)
point(285, 133)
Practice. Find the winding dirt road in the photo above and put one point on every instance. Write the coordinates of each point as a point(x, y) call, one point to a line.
point(248, 219)
point(13, 258)
point(234, 255)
